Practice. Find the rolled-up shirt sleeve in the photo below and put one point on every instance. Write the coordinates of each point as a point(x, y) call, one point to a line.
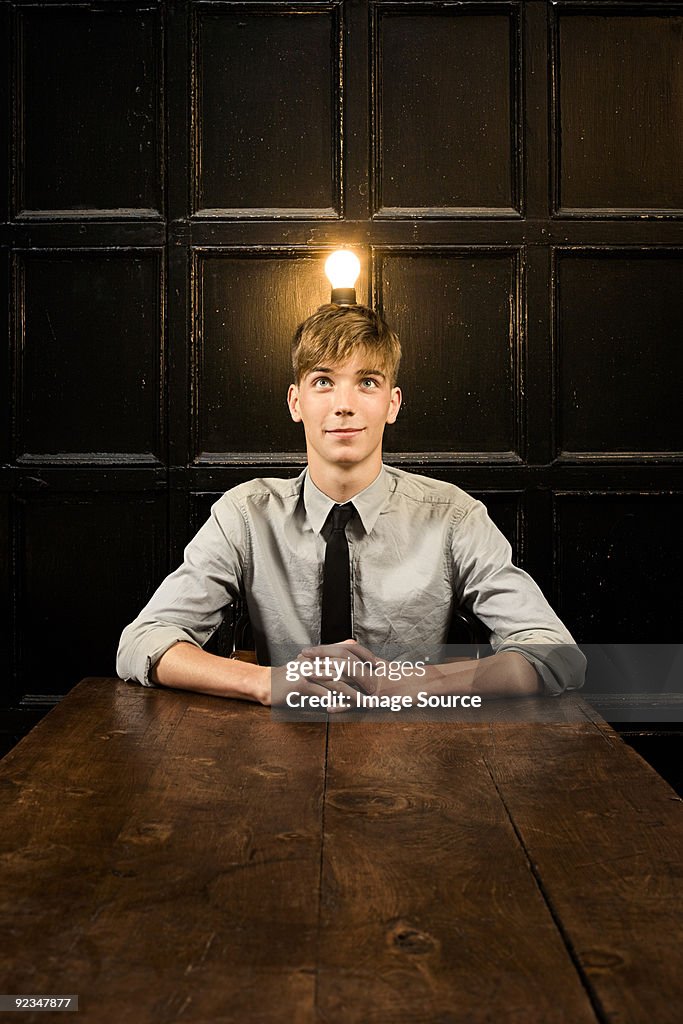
point(190, 603)
point(508, 601)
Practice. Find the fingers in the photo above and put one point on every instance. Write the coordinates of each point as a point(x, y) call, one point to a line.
point(347, 662)
point(343, 697)
point(303, 678)
point(335, 670)
point(307, 695)
point(341, 669)
point(326, 684)
point(344, 649)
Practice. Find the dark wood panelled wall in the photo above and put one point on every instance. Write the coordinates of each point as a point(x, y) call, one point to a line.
point(510, 175)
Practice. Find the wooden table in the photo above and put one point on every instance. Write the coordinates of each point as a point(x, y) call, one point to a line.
point(171, 857)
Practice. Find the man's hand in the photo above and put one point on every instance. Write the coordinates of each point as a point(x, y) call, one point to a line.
point(325, 674)
point(353, 664)
point(340, 672)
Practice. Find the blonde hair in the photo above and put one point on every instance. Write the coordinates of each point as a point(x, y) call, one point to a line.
point(333, 334)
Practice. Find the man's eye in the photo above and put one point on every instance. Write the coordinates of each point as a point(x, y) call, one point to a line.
point(370, 382)
point(321, 382)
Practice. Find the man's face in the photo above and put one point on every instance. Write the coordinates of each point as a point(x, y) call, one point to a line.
point(344, 408)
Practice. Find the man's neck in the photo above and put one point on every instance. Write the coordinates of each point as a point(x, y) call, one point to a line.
point(341, 483)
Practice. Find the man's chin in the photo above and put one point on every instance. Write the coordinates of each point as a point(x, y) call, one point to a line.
point(346, 451)
point(347, 458)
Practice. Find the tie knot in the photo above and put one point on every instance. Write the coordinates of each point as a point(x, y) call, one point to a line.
point(341, 514)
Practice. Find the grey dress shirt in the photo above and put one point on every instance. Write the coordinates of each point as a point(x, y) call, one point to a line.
point(417, 548)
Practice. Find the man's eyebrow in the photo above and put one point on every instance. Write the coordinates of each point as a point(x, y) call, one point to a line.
point(371, 373)
point(359, 373)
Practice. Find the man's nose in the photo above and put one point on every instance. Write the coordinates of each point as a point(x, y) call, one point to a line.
point(344, 401)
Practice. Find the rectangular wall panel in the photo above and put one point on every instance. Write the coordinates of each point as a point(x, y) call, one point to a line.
point(457, 315)
point(267, 110)
point(618, 566)
point(446, 90)
point(88, 353)
point(618, 108)
point(88, 111)
point(5, 365)
point(619, 357)
point(6, 601)
point(86, 564)
point(248, 306)
point(5, 109)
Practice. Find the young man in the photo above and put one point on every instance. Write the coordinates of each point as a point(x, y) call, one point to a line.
point(385, 569)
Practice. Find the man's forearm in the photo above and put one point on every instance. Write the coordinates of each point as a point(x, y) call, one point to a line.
point(507, 674)
point(186, 667)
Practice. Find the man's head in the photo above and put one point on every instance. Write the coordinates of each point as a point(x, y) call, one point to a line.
point(345, 362)
point(333, 334)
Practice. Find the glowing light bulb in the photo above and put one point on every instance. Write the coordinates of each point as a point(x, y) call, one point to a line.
point(342, 269)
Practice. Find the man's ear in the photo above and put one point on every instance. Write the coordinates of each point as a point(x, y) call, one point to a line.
point(293, 403)
point(394, 404)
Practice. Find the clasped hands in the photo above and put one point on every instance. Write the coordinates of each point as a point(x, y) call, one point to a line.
point(332, 676)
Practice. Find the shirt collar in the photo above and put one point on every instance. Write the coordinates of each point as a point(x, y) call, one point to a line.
point(368, 502)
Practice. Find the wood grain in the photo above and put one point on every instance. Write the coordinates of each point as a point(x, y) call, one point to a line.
point(429, 910)
point(171, 870)
point(604, 834)
point(178, 858)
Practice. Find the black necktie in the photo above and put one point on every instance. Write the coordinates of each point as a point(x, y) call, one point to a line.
point(336, 611)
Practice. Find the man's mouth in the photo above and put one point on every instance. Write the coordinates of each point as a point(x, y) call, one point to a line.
point(345, 431)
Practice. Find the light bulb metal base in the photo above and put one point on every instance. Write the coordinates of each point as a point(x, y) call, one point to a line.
point(344, 297)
